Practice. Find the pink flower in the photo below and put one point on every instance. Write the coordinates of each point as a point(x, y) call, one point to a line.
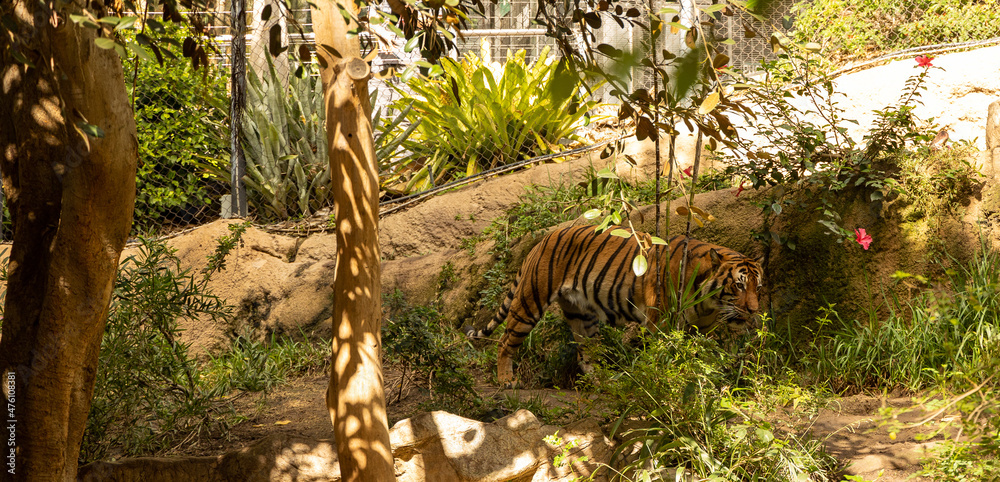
point(924, 61)
point(687, 171)
point(862, 238)
point(741, 188)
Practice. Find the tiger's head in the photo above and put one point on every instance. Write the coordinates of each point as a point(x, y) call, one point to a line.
point(740, 278)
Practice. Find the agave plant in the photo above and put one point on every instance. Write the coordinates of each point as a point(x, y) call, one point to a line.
point(288, 170)
point(472, 118)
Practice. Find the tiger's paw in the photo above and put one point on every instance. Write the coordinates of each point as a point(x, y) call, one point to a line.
point(511, 384)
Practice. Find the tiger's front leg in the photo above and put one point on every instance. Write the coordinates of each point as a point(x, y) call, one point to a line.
point(584, 327)
point(505, 362)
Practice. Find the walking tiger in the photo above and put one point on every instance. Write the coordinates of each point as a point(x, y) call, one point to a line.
point(590, 275)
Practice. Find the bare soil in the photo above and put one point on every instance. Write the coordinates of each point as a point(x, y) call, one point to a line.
point(851, 428)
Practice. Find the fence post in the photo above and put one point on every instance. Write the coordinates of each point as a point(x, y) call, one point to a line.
point(238, 166)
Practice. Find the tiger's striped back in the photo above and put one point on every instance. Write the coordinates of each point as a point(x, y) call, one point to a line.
point(590, 275)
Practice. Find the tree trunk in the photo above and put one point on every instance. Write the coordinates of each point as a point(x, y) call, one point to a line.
point(355, 396)
point(71, 198)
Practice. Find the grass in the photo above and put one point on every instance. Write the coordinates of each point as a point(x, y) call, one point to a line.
point(950, 328)
point(255, 366)
point(943, 344)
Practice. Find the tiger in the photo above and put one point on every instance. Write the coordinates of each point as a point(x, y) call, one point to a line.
point(589, 274)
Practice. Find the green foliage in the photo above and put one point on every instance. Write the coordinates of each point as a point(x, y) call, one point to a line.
point(181, 117)
point(853, 29)
point(288, 169)
point(674, 412)
point(935, 183)
point(548, 356)
point(256, 366)
point(473, 118)
point(952, 331)
point(419, 340)
point(147, 394)
point(813, 164)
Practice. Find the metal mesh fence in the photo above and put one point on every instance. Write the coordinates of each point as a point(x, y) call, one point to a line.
point(183, 115)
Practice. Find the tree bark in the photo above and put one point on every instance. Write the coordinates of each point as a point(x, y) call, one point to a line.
point(355, 396)
point(71, 198)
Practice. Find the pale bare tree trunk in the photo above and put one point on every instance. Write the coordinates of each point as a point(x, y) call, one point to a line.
point(71, 198)
point(355, 396)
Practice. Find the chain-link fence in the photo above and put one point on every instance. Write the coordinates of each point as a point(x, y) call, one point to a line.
point(183, 120)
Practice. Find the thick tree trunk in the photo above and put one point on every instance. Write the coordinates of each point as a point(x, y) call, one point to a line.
point(355, 397)
point(71, 199)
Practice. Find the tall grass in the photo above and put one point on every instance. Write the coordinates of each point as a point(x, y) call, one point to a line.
point(951, 329)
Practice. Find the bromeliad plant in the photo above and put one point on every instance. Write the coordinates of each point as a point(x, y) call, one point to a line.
point(474, 116)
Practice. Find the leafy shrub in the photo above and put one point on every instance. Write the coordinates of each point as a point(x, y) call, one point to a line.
point(851, 29)
point(474, 117)
point(181, 117)
point(679, 415)
point(148, 390)
point(422, 342)
point(812, 163)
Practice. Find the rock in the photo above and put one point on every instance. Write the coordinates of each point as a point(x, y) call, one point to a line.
point(511, 448)
point(278, 284)
point(993, 126)
point(277, 458)
point(432, 447)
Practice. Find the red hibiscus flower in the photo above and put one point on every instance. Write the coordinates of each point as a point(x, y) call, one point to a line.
point(687, 171)
point(862, 238)
point(924, 61)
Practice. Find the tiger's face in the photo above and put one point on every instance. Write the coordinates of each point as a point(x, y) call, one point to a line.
point(739, 301)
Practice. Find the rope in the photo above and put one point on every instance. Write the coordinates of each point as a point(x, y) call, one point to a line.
point(413, 198)
point(926, 49)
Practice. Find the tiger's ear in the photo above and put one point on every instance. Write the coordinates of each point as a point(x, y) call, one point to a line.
point(716, 258)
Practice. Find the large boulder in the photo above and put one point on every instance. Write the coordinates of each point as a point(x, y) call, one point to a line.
point(430, 447)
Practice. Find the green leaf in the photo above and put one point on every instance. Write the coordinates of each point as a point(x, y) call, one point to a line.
point(412, 43)
point(658, 240)
point(640, 265)
point(126, 22)
point(622, 233)
point(606, 173)
point(104, 43)
point(141, 52)
point(90, 129)
point(592, 214)
point(82, 20)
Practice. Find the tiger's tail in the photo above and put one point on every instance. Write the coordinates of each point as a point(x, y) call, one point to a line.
point(497, 320)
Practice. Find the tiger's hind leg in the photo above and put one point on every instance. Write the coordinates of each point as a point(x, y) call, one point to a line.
point(585, 325)
point(521, 320)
